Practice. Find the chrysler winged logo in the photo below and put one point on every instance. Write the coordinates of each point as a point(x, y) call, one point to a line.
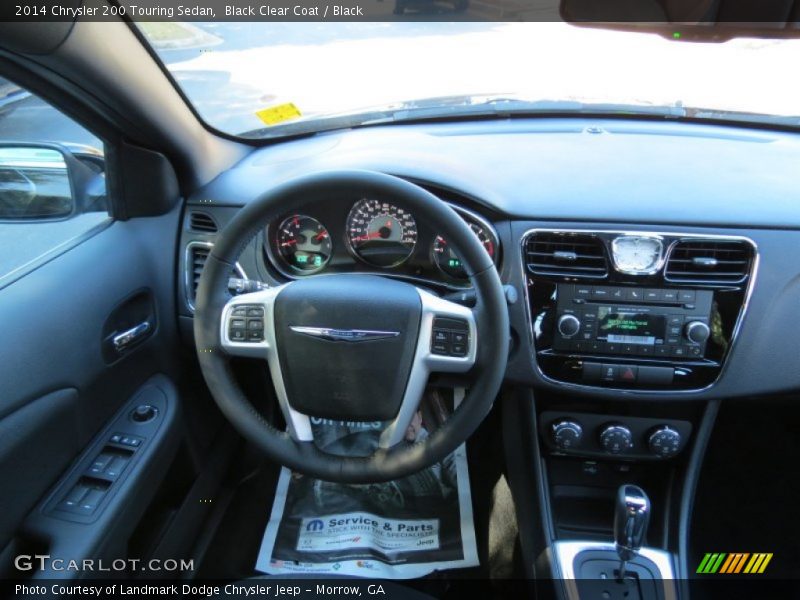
point(344, 335)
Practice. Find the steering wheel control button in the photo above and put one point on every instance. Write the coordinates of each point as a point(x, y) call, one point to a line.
point(450, 337)
point(616, 439)
point(664, 442)
point(246, 324)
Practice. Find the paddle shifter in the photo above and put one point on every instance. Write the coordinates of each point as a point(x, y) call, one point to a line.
point(631, 518)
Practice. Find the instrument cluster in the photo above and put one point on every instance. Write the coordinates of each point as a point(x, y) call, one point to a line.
point(369, 234)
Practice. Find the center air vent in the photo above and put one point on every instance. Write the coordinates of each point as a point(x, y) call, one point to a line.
point(562, 254)
point(709, 261)
point(202, 222)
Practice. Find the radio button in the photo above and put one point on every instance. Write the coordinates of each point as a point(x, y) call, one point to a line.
point(653, 295)
point(670, 295)
point(673, 340)
point(686, 296)
point(675, 320)
point(646, 350)
point(678, 351)
point(583, 291)
point(662, 350)
point(635, 294)
point(612, 349)
point(618, 293)
point(600, 292)
point(568, 325)
point(695, 351)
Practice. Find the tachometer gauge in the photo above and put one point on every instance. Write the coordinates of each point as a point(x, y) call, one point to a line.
point(637, 254)
point(304, 244)
point(380, 233)
point(450, 264)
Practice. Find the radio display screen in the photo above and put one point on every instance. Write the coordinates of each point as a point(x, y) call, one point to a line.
point(630, 327)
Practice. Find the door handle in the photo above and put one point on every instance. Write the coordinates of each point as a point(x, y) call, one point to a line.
point(127, 338)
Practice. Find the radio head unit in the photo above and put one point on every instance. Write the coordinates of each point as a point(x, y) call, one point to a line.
point(628, 321)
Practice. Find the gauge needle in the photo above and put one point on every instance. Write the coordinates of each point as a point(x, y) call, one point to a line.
point(321, 236)
point(289, 243)
point(369, 236)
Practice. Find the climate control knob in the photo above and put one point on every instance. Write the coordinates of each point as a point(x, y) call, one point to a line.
point(566, 434)
point(616, 439)
point(664, 442)
point(568, 325)
point(697, 332)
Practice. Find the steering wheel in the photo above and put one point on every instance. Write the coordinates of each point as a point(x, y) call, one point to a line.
point(350, 347)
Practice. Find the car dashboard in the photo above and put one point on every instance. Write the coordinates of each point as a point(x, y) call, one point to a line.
point(648, 258)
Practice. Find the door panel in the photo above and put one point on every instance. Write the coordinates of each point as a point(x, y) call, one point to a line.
point(56, 386)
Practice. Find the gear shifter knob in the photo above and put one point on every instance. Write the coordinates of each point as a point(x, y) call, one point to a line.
point(631, 518)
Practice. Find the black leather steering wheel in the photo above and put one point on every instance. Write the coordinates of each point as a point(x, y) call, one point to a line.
point(368, 337)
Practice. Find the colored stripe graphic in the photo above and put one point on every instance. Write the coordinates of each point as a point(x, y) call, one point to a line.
point(758, 563)
point(734, 562)
point(711, 562)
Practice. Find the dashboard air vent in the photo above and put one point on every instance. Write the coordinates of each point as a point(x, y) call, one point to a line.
point(197, 256)
point(709, 261)
point(566, 254)
point(202, 222)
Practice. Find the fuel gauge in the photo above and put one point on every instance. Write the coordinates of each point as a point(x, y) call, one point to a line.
point(304, 244)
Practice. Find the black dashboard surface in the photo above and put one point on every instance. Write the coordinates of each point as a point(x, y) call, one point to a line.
point(581, 174)
point(590, 170)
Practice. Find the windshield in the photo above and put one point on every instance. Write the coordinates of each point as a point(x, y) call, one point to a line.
point(274, 79)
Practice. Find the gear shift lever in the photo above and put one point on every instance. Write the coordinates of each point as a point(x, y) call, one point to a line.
point(631, 518)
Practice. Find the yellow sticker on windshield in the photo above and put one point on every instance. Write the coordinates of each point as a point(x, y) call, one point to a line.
point(278, 114)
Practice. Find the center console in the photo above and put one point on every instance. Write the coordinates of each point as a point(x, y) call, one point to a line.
point(640, 311)
point(617, 317)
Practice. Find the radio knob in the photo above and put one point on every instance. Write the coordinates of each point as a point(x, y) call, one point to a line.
point(697, 332)
point(566, 434)
point(616, 439)
point(568, 325)
point(664, 442)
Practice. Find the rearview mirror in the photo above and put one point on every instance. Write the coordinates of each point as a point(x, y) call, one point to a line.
point(44, 182)
point(689, 20)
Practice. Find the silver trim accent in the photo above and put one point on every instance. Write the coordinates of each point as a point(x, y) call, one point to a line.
point(637, 272)
point(449, 282)
point(423, 364)
point(590, 388)
point(563, 558)
point(348, 242)
point(298, 424)
point(126, 338)
point(344, 335)
point(467, 214)
point(188, 270)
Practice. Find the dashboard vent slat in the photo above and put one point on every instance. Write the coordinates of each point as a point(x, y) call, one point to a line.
point(709, 261)
point(201, 222)
point(566, 255)
point(199, 254)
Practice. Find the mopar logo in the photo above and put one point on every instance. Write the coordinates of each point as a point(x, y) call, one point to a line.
point(315, 525)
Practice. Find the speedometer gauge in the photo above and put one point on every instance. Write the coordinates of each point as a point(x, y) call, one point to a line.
point(304, 244)
point(448, 261)
point(380, 233)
